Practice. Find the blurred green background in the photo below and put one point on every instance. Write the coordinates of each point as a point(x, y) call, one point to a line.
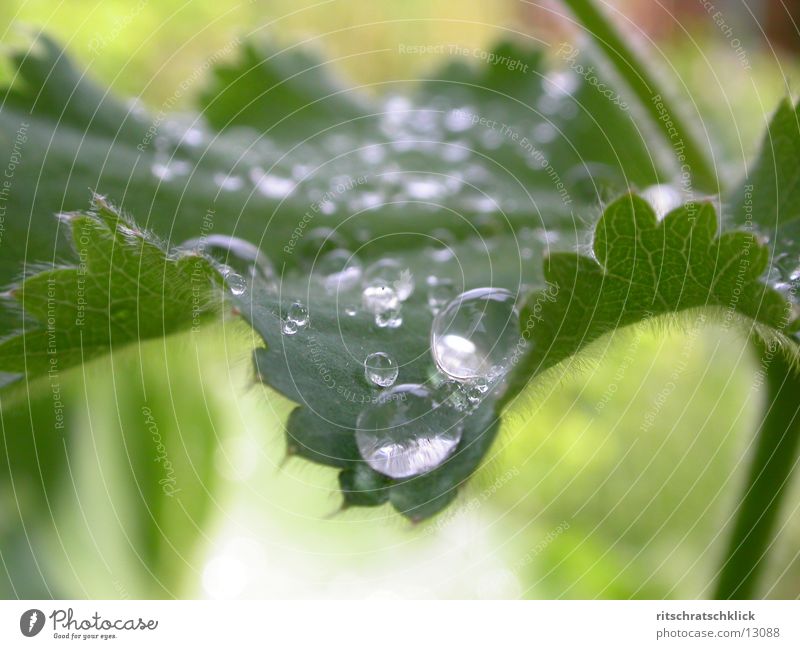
point(616, 477)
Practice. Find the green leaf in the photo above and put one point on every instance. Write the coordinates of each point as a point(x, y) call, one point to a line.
point(322, 368)
point(770, 191)
point(475, 159)
point(643, 268)
point(126, 287)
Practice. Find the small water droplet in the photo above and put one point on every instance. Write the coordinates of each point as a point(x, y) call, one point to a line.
point(236, 253)
point(459, 119)
point(406, 433)
point(455, 152)
point(380, 369)
point(473, 336)
point(424, 189)
point(235, 282)
point(167, 169)
point(350, 310)
point(389, 319)
point(228, 183)
point(379, 297)
point(391, 272)
point(298, 313)
point(476, 391)
point(442, 245)
point(289, 327)
point(271, 185)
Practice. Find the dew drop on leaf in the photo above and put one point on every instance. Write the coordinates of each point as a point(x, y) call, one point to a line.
point(392, 273)
point(235, 282)
point(474, 335)
point(237, 254)
point(298, 314)
point(379, 297)
point(389, 319)
point(380, 369)
point(406, 432)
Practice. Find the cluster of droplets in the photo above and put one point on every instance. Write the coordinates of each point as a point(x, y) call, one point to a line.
point(386, 285)
point(411, 428)
point(296, 318)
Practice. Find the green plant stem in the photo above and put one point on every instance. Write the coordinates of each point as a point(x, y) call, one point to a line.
point(642, 83)
point(773, 459)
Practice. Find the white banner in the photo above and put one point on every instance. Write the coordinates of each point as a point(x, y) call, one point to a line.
point(387, 624)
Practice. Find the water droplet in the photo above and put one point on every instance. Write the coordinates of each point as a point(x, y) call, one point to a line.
point(544, 133)
point(298, 313)
point(458, 120)
point(441, 248)
point(451, 394)
point(340, 271)
point(327, 207)
point(405, 432)
point(440, 291)
point(424, 189)
point(228, 183)
point(455, 152)
point(491, 139)
point(391, 272)
point(380, 369)
point(476, 391)
point(663, 198)
point(350, 310)
point(167, 169)
point(271, 185)
point(379, 297)
point(373, 154)
point(473, 336)
point(289, 327)
point(236, 253)
point(389, 319)
point(235, 282)
point(786, 266)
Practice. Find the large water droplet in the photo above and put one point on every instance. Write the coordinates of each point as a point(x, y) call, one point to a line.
point(474, 335)
point(391, 272)
point(405, 432)
point(380, 369)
